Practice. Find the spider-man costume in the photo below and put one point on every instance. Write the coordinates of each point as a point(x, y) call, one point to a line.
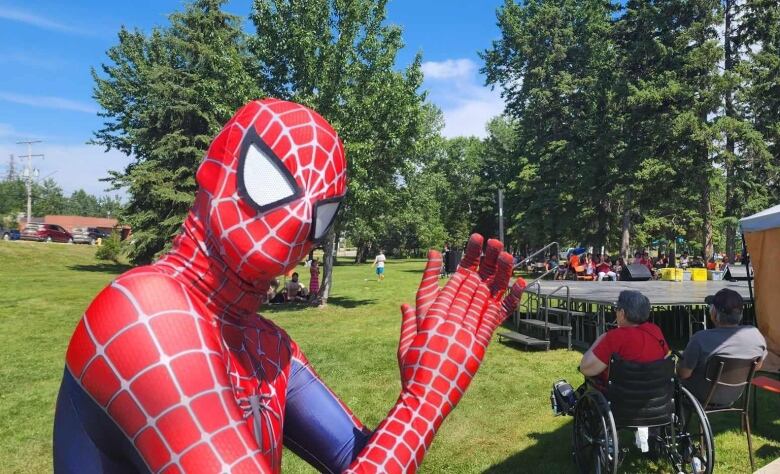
point(172, 370)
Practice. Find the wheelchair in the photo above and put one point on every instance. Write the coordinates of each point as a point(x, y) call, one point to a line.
point(642, 395)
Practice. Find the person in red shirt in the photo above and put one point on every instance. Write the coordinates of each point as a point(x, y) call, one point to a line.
point(635, 339)
point(604, 269)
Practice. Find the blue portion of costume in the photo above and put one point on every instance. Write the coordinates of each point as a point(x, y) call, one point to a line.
point(86, 440)
point(317, 427)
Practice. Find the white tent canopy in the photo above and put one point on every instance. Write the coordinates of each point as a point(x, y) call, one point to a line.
point(766, 219)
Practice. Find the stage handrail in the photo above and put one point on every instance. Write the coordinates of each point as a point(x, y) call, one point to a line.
point(526, 259)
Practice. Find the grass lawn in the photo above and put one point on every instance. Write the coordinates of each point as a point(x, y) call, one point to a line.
point(503, 424)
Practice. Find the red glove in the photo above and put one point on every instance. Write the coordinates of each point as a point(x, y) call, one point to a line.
point(442, 346)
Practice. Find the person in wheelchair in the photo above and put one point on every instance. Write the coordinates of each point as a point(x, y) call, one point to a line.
point(635, 339)
point(631, 385)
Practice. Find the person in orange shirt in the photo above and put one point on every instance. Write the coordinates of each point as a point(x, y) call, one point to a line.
point(574, 262)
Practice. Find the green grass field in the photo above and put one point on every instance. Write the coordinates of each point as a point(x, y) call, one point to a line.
point(503, 424)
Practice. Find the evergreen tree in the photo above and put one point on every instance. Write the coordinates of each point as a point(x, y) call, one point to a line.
point(48, 199)
point(80, 203)
point(554, 63)
point(164, 96)
point(669, 55)
point(761, 96)
point(13, 197)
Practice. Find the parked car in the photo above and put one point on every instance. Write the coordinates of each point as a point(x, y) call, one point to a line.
point(9, 234)
point(88, 235)
point(46, 233)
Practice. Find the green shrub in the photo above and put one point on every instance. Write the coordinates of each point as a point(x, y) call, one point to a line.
point(111, 249)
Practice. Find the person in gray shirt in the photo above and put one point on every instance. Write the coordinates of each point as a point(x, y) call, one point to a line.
point(726, 339)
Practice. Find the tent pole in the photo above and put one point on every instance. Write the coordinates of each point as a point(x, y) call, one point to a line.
point(746, 262)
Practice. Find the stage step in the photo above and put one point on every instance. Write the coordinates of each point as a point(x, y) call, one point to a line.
point(524, 339)
point(538, 323)
point(562, 311)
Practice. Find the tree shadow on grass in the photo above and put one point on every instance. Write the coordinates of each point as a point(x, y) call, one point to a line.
point(109, 268)
point(347, 302)
point(551, 450)
point(339, 301)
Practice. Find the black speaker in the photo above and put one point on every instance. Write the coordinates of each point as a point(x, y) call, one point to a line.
point(635, 272)
point(452, 260)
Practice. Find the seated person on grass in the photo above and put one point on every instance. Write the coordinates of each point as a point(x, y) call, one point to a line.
point(274, 296)
point(295, 289)
point(727, 339)
point(563, 267)
point(634, 339)
point(590, 266)
point(604, 269)
point(697, 262)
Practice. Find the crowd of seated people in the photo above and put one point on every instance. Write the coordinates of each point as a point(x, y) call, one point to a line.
point(585, 267)
point(598, 267)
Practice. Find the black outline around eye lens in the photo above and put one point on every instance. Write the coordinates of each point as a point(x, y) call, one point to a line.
point(339, 200)
point(252, 138)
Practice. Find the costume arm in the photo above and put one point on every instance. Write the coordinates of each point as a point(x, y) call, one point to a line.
point(318, 427)
point(442, 345)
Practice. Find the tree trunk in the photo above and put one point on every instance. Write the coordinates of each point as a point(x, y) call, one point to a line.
point(706, 210)
point(625, 240)
point(602, 232)
point(327, 268)
point(360, 249)
point(730, 60)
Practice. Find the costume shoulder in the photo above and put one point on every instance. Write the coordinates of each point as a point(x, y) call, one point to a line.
point(135, 296)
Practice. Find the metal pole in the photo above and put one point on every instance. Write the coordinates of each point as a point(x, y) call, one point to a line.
point(501, 215)
point(746, 263)
point(29, 174)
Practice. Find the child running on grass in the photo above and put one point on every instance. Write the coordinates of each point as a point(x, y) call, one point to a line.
point(379, 263)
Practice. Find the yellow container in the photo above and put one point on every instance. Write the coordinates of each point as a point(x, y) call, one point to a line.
point(698, 274)
point(671, 274)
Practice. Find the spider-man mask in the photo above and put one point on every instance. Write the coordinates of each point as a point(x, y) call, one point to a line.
point(274, 178)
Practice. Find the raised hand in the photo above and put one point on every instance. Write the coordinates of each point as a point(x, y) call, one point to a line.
point(443, 341)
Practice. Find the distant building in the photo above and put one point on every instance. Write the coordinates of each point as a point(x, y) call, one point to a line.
point(105, 224)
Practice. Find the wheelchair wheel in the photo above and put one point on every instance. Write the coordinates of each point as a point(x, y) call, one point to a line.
point(688, 440)
point(595, 438)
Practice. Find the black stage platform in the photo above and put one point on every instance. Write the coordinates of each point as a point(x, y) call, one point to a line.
point(660, 293)
point(587, 307)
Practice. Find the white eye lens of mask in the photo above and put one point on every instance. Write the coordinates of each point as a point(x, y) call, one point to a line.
point(264, 181)
point(325, 215)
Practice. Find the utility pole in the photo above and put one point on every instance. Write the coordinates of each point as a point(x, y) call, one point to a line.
point(29, 173)
point(501, 215)
point(11, 169)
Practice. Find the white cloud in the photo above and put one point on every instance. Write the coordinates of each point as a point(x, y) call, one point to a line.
point(48, 102)
point(9, 133)
point(456, 87)
point(470, 116)
point(21, 16)
point(73, 167)
point(30, 60)
point(7, 130)
point(449, 69)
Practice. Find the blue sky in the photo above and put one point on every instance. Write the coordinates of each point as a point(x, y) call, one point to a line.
point(47, 48)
